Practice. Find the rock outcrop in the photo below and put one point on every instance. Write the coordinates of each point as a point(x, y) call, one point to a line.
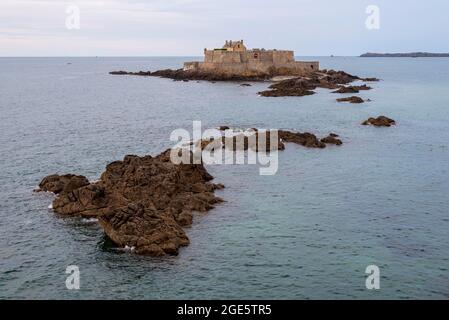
point(297, 86)
point(257, 141)
point(141, 202)
point(180, 75)
point(62, 183)
point(353, 99)
point(332, 138)
point(380, 121)
point(305, 139)
point(304, 85)
point(352, 89)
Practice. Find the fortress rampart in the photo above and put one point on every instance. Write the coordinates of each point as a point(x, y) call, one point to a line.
point(235, 59)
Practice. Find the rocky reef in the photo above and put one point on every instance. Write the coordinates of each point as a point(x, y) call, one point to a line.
point(380, 121)
point(300, 85)
point(141, 202)
point(304, 85)
point(182, 75)
point(144, 203)
point(305, 139)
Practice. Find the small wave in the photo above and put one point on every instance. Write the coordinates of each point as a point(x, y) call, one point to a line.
point(89, 220)
point(129, 248)
point(50, 206)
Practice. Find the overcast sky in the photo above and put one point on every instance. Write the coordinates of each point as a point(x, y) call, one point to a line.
point(185, 27)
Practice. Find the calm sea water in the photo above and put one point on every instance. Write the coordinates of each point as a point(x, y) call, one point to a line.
point(307, 232)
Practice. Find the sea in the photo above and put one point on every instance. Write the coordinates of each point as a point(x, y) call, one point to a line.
point(310, 231)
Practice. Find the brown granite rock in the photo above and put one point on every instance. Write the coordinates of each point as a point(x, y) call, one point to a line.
point(180, 74)
point(59, 183)
point(243, 142)
point(296, 87)
point(304, 85)
point(141, 202)
point(353, 99)
point(305, 139)
point(301, 85)
point(332, 139)
point(352, 89)
point(380, 121)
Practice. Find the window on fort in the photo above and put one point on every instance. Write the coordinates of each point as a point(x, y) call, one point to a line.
point(311, 66)
point(256, 56)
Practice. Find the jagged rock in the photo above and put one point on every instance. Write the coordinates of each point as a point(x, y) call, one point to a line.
point(62, 183)
point(370, 79)
point(353, 99)
point(140, 73)
point(303, 85)
point(141, 202)
point(245, 85)
point(380, 121)
point(253, 143)
point(332, 138)
point(223, 128)
point(352, 89)
point(147, 230)
point(243, 142)
point(180, 74)
point(306, 139)
point(296, 87)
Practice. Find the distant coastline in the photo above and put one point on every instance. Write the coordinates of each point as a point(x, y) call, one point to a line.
point(405, 55)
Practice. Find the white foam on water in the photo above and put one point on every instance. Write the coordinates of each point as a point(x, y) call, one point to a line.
point(50, 206)
point(89, 220)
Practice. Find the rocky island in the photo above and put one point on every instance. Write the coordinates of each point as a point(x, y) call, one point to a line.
point(405, 55)
point(234, 62)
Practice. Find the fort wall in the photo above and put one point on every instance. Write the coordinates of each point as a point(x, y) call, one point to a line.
point(234, 59)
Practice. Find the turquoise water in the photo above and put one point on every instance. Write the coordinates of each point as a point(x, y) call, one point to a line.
point(307, 232)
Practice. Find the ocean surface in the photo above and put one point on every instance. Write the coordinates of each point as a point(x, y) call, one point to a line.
point(307, 232)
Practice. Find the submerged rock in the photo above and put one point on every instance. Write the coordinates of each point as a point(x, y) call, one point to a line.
point(380, 121)
point(141, 202)
point(353, 99)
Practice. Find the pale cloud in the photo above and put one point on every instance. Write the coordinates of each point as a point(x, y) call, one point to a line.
point(185, 27)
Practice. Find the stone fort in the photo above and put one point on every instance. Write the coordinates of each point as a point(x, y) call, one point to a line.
point(235, 59)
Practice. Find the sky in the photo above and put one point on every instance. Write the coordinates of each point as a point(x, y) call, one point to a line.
point(186, 27)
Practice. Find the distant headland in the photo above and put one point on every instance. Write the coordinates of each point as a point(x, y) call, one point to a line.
point(405, 55)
